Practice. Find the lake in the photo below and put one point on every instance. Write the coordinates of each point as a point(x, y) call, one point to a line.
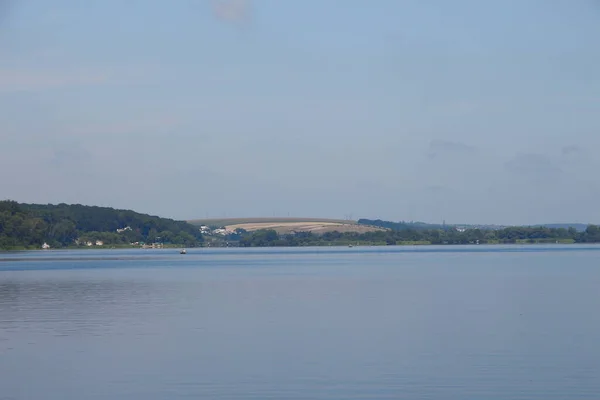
point(456, 322)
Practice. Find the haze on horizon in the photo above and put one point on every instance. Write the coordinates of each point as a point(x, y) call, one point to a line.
point(464, 111)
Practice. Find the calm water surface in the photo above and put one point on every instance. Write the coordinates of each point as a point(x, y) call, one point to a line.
point(345, 323)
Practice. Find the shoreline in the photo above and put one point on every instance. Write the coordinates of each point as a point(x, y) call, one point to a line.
point(407, 244)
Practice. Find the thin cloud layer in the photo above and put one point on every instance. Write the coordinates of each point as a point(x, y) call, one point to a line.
point(534, 166)
point(232, 11)
point(40, 78)
point(571, 150)
point(442, 147)
point(12, 80)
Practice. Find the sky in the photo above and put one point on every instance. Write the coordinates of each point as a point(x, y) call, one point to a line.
point(466, 111)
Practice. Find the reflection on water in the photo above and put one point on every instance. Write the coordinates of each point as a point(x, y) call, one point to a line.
point(318, 324)
point(75, 307)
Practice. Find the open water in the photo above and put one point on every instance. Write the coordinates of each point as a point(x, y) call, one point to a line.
point(497, 322)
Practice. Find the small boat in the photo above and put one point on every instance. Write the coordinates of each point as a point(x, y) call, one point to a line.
point(183, 251)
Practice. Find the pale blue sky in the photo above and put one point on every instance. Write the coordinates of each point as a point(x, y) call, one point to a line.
point(470, 111)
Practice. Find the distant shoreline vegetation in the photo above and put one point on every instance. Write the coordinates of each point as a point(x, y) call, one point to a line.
point(37, 226)
point(515, 235)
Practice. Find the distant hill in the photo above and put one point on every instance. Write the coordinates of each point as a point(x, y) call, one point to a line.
point(31, 225)
point(255, 220)
point(287, 225)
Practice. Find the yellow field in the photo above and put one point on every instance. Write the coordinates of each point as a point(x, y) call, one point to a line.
point(315, 227)
point(289, 225)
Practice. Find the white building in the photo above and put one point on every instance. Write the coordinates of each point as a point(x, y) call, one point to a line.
point(45, 246)
point(223, 232)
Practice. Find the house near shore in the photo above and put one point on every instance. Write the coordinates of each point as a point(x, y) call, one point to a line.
point(99, 243)
point(152, 246)
point(45, 246)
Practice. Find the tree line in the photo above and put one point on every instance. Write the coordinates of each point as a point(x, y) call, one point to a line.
point(402, 225)
point(448, 236)
point(31, 225)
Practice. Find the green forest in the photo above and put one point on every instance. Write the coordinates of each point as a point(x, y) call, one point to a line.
point(24, 226)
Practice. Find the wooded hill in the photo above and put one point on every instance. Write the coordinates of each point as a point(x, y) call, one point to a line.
point(62, 225)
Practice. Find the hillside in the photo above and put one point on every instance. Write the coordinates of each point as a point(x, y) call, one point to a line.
point(288, 225)
point(254, 220)
point(32, 225)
